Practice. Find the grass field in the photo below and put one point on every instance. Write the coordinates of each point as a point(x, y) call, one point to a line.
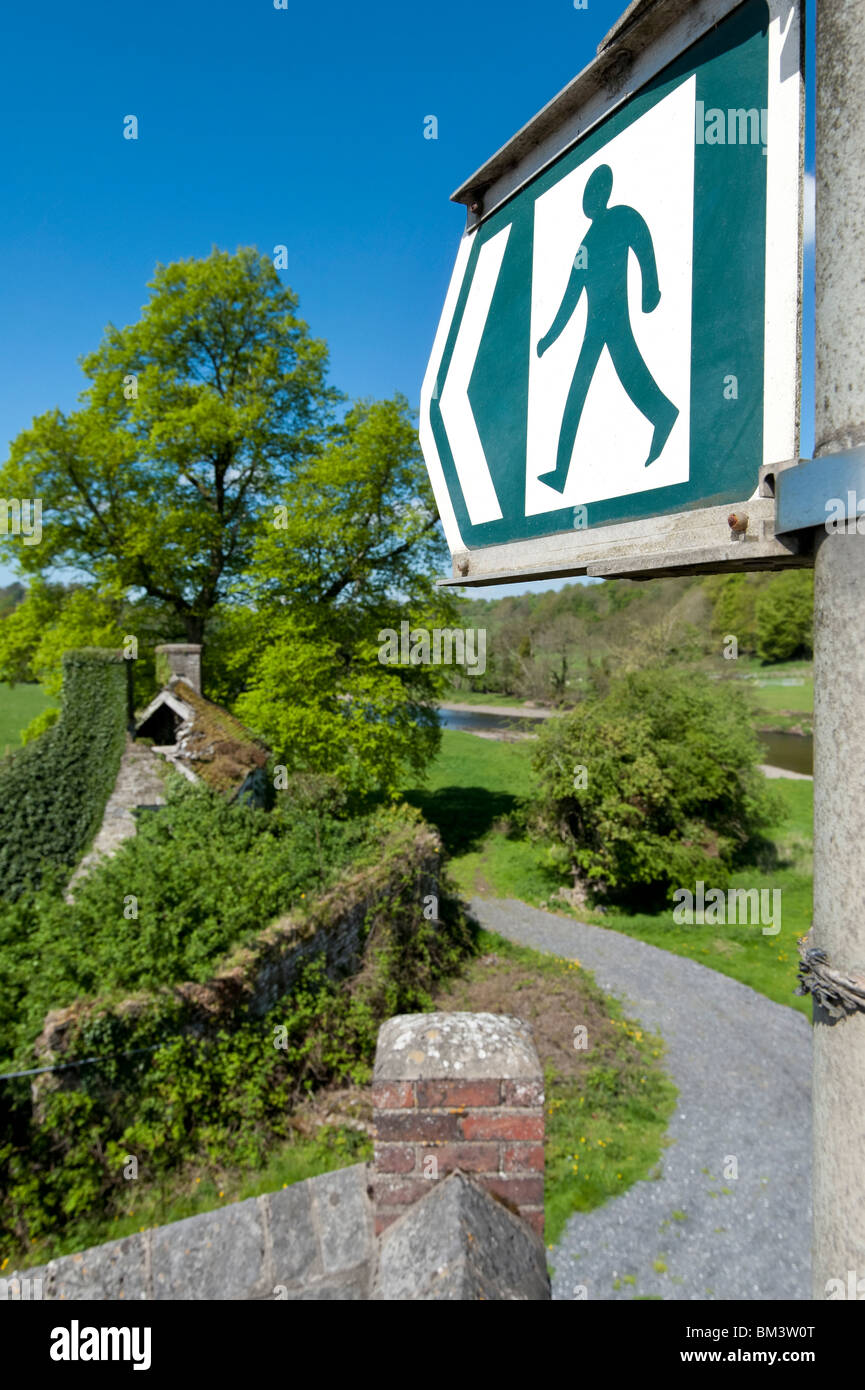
point(474, 785)
point(480, 697)
point(18, 705)
point(778, 705)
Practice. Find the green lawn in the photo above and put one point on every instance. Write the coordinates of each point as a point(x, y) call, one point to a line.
point(482, 697)
point(772, 698)
point(18, 705)
point(775, 705)
point(472, 784)
point(475, 783)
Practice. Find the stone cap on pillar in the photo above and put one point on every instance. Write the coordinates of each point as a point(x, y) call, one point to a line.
point(429, 1047)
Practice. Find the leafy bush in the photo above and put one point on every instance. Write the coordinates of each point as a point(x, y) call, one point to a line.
point(785, 616)
point(672, 789)
point(53, 791)
point(734, 603)
point(217, 1098)
point(200, 876)
point(40, 724)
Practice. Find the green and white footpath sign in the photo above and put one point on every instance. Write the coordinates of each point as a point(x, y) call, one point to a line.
point(617, 363)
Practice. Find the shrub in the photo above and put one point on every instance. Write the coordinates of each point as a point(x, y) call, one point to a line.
point(672, 787)
point(53, 791)
point(222, 1095)
point(785, 616)
point(734, 603)
point(200, 876)
point(40, 725)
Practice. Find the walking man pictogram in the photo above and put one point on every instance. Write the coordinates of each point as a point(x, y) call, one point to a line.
point(602, 271)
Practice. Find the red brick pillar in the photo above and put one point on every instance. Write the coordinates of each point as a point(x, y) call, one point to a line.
point(458, 1091)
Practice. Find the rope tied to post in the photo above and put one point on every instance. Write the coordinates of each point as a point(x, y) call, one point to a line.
point(836, 991)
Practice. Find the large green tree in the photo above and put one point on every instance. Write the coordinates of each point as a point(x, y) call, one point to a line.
point(194, 419)
point(352, 549)
point(212, 484)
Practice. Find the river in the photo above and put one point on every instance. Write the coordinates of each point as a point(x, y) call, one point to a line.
point(793, 752)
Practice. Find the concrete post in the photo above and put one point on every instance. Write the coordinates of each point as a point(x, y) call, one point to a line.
point(839, 652)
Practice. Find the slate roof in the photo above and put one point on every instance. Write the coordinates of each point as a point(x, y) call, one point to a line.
point(209, 743)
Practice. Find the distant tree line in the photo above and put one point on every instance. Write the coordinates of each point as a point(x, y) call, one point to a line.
point(550, 646)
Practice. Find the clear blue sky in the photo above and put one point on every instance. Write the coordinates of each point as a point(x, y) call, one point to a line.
point(257, 127)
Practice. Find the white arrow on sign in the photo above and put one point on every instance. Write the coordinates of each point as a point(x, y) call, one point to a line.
point(467, 450)
point(469, 458)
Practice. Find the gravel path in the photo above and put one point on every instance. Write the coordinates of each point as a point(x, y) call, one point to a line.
point(743, 1066)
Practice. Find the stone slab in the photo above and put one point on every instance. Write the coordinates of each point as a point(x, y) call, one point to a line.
point(344, 1215)
point(459, 1243)
point(220, 1254)
point(431, 1046)
point(115, 1271)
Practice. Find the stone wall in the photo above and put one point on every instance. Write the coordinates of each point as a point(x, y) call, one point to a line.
point(257, 975)
point(462, 1089)
point(311, 1240)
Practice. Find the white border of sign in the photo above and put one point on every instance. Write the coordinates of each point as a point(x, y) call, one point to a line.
point(684, 542)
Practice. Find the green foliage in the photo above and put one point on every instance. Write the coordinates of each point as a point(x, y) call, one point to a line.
point(207, 487)
point(220, 1098)
point(770, 614)
point(22, 630)
point(785, 616)
point(356, 528)
point(543, 647)
point(10, 596)
point(53, 619)
point(357, 523)
point(734, 606)
point(20, 705)
point(157, 489)
point(672, 788)
point(204, 876)
point(51, 622)
point(53, 791)
point(40, 724)
point(322, 700)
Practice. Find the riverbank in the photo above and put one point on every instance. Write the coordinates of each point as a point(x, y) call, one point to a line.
point(786, 751)
point(524, 711)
